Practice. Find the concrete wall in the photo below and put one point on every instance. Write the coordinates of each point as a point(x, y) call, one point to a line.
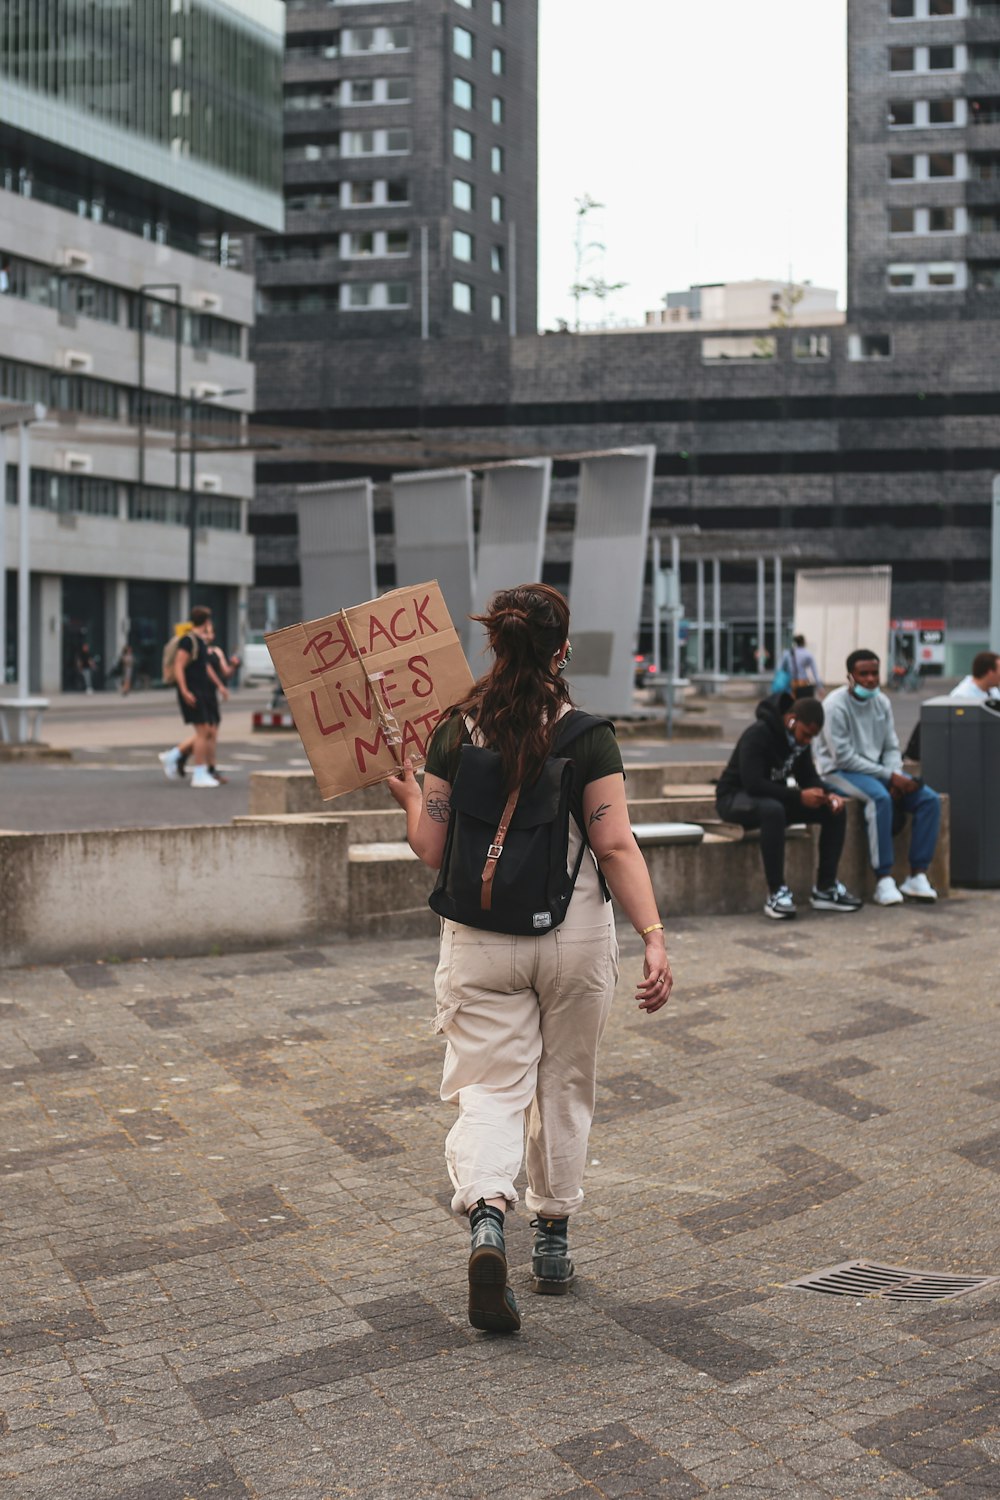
point(158, 891)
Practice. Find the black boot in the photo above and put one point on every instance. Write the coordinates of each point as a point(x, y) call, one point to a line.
point(550, 1263)
point(492, 1306)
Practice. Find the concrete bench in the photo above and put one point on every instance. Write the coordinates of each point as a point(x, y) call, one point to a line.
point(21, 719)
point(650, 835)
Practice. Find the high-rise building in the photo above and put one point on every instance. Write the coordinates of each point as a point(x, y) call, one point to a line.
point(139, 144)
point(410, 172)
point(924, 158)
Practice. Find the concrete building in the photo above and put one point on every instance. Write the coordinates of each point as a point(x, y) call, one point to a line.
point(137, 145)
point(410, 172)
point(866, 441)
point(747, 304)
point(924, 158)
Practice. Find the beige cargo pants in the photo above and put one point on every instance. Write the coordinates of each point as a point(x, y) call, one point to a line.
point(523, 1017)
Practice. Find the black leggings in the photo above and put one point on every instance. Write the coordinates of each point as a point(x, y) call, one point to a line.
point(772, 818)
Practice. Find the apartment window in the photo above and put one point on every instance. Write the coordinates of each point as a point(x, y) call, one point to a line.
point(462, 93)
point(358, 142)
point(496, 258)
point(497, 208)
point(465, 4)
point(499, 17)
point(902, 168)
point(942, 276)
point(397, 190)
point(940, 7)
point(360, 91)
point(940, 59)
point(361, 194)
point(358, 245)
point(496, 158)
point(986, 275)
point(397, 242)
point(861, 346)
point(811, 346)
point(753, 346)
point(941, 112)
point(496, 110)
point(498, 62)
point(462, 194)
point(461, 244)
point(397, 90)
point(902, 221)
point(397, 294)
point(984, 111)
point(463, 42)
point(986, 221)
point(902, 112)
point(902, 10)
point(312, 97)
point(902, 59)
point(941, 164)
point(902, 278)
point(941, 221)
point(462, 143)
point(360, 294)
point(397, 142)
point(461, 296)
point(985, 167)
point(496, 308)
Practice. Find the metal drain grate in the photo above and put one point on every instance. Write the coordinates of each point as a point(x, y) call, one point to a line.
point(863, 1278)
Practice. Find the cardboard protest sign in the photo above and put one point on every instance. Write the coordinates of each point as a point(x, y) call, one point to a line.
point(366, 686)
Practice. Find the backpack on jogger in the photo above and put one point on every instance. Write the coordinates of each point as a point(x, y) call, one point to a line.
point(505, 863)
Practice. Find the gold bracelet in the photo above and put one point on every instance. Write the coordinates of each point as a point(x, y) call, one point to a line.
point(653, 927)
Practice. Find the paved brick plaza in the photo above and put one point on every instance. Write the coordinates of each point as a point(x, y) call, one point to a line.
point(230, 1270)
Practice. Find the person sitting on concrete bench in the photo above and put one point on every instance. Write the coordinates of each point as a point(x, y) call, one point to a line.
point(771, 782)
point(983, 682)
point(859, 755)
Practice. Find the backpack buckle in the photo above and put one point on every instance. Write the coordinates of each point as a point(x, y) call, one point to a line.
point(494, 851)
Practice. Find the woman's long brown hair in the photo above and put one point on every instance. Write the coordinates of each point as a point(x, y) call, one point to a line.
point(516, 703)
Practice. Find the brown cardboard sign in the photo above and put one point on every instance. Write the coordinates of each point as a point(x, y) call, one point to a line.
point(366, 686)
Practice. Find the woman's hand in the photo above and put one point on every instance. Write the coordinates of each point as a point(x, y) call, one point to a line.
point(654, 989)
point(405, 787)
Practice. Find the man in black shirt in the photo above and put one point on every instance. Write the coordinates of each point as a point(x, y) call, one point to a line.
point(771, 782)
point(197, 685)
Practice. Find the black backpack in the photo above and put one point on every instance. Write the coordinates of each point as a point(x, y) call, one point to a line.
point(504, 864)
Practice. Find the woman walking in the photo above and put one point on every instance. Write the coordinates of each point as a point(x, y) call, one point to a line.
point(523, 1016)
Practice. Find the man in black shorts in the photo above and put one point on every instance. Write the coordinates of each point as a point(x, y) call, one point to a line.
point(197, 686)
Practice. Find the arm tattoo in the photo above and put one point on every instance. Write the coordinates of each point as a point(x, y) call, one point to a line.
point(599, 812)
point(439, 808)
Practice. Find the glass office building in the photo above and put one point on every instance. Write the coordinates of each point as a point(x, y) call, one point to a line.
point(175, 104)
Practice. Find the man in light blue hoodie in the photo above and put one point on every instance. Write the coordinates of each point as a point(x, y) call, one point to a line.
point(859, 755)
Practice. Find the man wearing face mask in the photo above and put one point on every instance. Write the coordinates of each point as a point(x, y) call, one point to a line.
point(770, 782)
point(859, 755)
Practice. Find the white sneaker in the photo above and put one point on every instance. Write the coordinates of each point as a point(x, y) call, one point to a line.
point(887, 892)
point(202, 777)
point(780, 904)
point(170, 761)
point(919, 887)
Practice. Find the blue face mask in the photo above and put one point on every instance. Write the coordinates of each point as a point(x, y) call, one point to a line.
point(863, 693)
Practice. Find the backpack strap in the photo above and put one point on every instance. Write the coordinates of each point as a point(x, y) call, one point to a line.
point(495, 851)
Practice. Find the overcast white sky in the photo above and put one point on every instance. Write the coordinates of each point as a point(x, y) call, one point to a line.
point(713, 131)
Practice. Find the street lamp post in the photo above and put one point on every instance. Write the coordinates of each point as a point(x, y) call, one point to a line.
point(195, 401)
point(19, 416)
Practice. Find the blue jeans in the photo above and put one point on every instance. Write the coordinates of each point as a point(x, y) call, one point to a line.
point(924, 804)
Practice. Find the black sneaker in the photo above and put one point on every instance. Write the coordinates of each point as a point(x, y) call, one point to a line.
point(780, 904)
point(835, 898)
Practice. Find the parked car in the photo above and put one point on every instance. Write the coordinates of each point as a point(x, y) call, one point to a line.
point(257, 663)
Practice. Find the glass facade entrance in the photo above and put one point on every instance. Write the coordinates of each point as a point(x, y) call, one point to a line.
point(83, 627)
